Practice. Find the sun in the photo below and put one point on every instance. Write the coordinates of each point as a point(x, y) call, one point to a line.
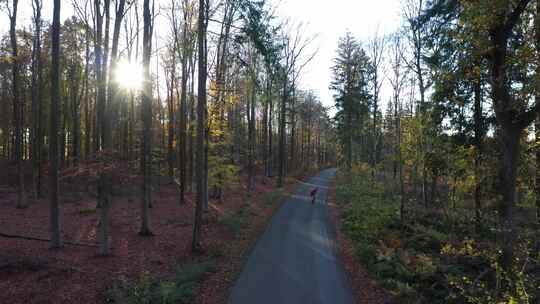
point(129, 75)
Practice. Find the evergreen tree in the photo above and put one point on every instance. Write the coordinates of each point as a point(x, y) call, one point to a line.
point(351, 77)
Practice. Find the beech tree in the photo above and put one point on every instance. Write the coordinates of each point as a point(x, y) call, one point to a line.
point(146, 157)
point(37, 103)
point(201, 122)
point(376, 50)
point(17, 103)
point(397, 79)
point(294, 46)
point(112, 90)
point(56, 240)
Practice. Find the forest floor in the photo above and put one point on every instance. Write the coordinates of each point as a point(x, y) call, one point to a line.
point(30, 272)
point(364, 288)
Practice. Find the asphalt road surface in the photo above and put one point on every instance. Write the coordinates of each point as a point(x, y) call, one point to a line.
point(294, 261)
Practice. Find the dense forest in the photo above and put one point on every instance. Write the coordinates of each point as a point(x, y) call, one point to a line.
point(213, 104)
point(97, 103)
point(441, 190)
point(151, 132)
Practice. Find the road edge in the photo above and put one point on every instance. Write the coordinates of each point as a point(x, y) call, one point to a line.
point(235, 259)
point(364, 289)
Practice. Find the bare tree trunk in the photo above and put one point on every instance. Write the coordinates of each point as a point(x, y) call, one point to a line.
point(397, 116)
point(349, 141)
point(511, 123)
point(56, 241)
point(98, 57)
point(63, 118)
point(537, 100)
point(17, 108)
point(508, 176)
point(86, 98)
point(36, 100)
point(304, 144)
point(251, 136)
point(375, 130)
point(377, 48)
point(171, 118)
point(106, 137)
point(264, 134)
point(417, 41)
point(292, 163)
point(131, 127)
point(112, 113)
point(147, 120)
point(201, 122)
point(75, 117)
point(478, 138)
point(205, 158)
point(400, 169)
point(104, 195)
point(182, 115)
point(191, 143)
point(282, 147)
point(270, 164)
point(221, 81)
point(131, 111)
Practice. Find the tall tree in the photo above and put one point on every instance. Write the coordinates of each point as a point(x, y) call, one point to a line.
point(537, 97)
point(182, 45)
point(56, 241)
point(201, 126)
point(376, 49)
point(112, 114)
point(350, 81)
point(17, 104)
point(251, 122)
point(146, 157)
point(37, 137)
point(84, 16)
point(512, 112)
point(172, 117)
point(417, 38)
point(397, 81)
point(294, 45)
point(71, 46)
point(183, 115)
point(105, 135)
point(99, 72)
point(87, 115)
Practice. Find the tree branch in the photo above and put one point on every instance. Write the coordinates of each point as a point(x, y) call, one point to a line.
point(515, 14)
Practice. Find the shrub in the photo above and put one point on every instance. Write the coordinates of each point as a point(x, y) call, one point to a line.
point(273, 197)
point(237, 221)
point(149, 290)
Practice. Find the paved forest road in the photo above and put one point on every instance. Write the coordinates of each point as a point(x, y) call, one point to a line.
point(294, 261)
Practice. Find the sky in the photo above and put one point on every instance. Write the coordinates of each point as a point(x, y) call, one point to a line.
point(332, 19)
point(328, 20)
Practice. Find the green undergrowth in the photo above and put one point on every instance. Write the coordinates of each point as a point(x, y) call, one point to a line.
point(147, 289)
point(430, 257)
point(273, 197)
point(238, 220)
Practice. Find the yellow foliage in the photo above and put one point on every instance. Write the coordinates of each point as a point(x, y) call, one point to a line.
point(233, 99)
